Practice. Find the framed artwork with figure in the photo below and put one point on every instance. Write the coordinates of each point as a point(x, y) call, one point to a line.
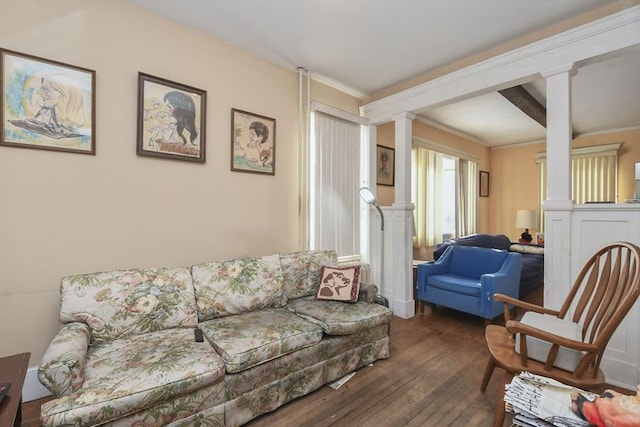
point(385, 165)
point(47, 104)
point(484, 184)
point(171, 119)
point(253, 143)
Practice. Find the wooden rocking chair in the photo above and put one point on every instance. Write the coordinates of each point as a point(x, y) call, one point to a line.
point(603, 293)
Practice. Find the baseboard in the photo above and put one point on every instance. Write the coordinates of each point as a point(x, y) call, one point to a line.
point(32, 389)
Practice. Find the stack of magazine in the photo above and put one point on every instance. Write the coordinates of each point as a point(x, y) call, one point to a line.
point(541, 402)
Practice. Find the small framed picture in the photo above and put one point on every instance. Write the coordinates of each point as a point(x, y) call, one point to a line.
point(171, 119)
point(484, 184)
point(385, 165)
point(253, 143)
point(47, 104)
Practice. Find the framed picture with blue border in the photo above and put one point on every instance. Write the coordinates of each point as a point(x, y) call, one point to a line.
point(47, 104)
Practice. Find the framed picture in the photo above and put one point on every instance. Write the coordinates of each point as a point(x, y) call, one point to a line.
point(484, 184)
point(385, 165)
point(47, 104)
point(253, 143)
point(171, 119)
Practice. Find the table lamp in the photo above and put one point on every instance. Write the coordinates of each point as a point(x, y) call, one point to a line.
point(526, 219)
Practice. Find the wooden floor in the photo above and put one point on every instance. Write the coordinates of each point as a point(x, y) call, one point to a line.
point(431, 379)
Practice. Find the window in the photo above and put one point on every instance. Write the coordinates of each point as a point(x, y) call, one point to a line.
point(444, 192)
point(594, 175)
point(335, 177)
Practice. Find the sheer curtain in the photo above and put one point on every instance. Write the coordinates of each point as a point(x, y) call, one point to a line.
point(426, 171)
point(334, 183)
point(430, 192)
point(466, 197)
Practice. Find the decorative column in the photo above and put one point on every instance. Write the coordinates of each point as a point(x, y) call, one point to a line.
point(558, 205)
point(398, 247)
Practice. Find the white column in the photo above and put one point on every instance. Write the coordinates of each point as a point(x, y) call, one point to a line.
point(398, 248)
point(558, 206)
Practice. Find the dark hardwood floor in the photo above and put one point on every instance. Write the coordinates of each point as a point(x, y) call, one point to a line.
point(431, 379)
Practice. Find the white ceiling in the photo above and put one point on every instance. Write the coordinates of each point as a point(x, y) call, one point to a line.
point(364, 46)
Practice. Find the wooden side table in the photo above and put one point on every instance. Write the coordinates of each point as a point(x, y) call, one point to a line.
point(13, 369)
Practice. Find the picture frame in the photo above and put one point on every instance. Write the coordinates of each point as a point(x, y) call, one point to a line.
point(253, 143)
point(385, 165)
point(483, 184)
point(46, 104)
point(171, 119)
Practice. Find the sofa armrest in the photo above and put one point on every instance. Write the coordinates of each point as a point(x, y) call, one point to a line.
point(62, 366)
point(505, 281)
point(367, 293)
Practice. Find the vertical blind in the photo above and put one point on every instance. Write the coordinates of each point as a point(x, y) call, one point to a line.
point(594, 176)
point(334, 184)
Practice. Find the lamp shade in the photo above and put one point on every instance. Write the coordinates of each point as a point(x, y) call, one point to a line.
point(526, 219)
point(367, 195)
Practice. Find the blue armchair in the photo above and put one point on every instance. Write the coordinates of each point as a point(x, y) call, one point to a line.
point(465, 278)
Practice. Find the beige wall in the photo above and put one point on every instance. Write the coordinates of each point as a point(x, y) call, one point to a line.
point(64, 213)
point(514, 176)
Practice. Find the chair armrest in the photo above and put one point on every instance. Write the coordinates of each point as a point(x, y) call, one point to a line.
point(504, 281)
point(522, 304)
point(441, 266)
point(368, 293)
point(515, 327)
point(62, 366)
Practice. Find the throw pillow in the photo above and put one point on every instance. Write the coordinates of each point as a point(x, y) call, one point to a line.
point(527, 249)
point(339, 283)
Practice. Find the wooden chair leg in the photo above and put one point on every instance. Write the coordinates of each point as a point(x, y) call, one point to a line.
point(488, 371)
point(498, 418)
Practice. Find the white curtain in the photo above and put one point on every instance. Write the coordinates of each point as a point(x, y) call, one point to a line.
point(429, 196)
point(334, 184)
point(466, 197)
point(426, 171)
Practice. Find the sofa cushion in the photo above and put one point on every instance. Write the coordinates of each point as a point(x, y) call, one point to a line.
point(339, 318)
point(339, 283)
point(120, 303)
point(251, 338)
point(301, 271)
point(127, 375)
point(454, 283)
point(238, 285)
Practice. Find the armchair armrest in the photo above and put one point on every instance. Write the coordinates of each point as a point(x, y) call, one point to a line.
point(62, 366)
point(504, 281)
point(515, 327)
point(510, 301)
point(368, 293)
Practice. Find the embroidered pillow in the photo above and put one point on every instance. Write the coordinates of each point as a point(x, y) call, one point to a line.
point(339, 283)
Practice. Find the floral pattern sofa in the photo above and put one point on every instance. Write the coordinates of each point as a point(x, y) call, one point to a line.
point(125, 353)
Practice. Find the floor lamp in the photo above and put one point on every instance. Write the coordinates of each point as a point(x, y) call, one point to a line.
point(369, 198)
